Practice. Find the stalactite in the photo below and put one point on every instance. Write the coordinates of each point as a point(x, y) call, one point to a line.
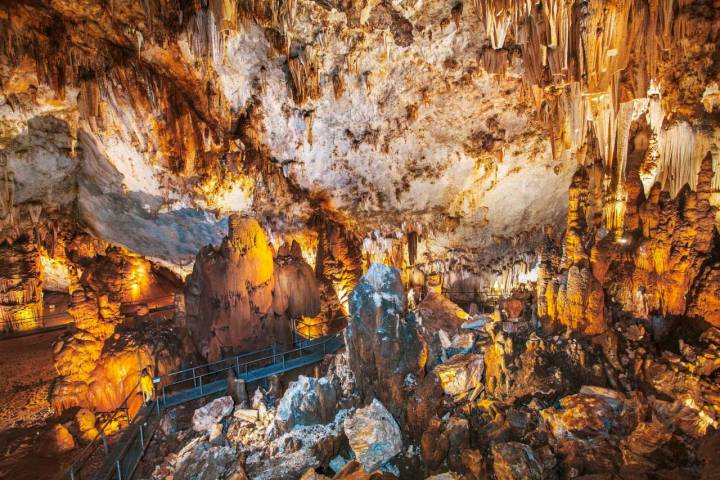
point(305, 76)
point(309, 117)
point(7, 188)
point(678, 164)
point(605, 123)
point(338, 81)
point(499, 16)
point(412, 241)
point(495, 61)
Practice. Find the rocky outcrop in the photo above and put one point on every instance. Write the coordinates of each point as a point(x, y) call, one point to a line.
point(240, 298)
point(307, 401)
point(100, 364)
point(385, 350)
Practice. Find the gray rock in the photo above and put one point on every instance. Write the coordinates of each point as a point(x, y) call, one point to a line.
point(374, 435)
point(205, 418)
point(307, 401)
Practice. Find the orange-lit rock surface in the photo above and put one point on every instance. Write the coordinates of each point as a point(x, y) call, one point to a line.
point(661, 263)
point(241, 298)
point(100, 364)
point(21, 305)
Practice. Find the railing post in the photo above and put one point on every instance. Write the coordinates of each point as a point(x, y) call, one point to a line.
point(201, 389)
point(157, 403)
point(72, 472)
point(194, 378)
point(142, 437)
point(119, 470)
point(237, 365)
point(104, 441)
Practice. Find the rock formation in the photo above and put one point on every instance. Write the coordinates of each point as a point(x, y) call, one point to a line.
point(384, 346)
point(21, 304)
point(100, 364)
point(241, 298)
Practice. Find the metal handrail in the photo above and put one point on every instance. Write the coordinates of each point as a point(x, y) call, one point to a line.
point(199, 378)
point(159, 404)
point(211, 364)
point(126, 447)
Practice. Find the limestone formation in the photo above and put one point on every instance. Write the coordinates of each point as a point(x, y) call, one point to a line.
point(240, 298)
point(21, 305)
point(511, 205)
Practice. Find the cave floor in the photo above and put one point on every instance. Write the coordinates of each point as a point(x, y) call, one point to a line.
point(27, 372)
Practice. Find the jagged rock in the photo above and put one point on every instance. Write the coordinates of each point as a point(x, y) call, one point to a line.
point(373, 434)
point(303, 447)
point(461, 373)
point(307, 401)
point(473, 463)
point(384, 346)
point(515, 461)
point(208, 416)
point(434, 444)
point(246, 414)
point(203, 461)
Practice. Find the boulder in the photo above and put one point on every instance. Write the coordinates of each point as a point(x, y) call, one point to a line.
point(374, 435)
point(461, 373)
point(515, 461)
point(581, 415)
point(205, 418)
point(307, 401)
point(86, 424)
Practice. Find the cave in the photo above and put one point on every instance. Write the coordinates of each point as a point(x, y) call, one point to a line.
point(360, 239)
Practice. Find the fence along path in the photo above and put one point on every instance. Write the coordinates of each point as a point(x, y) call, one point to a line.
point(121, 461)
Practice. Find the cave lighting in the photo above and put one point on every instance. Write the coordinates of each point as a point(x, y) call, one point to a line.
point(139, 280)
point(311, 328)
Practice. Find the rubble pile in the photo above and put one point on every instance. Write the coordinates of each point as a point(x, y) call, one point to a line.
point(517, 403)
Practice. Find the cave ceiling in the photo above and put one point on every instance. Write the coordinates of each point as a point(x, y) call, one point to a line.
point(154, 120)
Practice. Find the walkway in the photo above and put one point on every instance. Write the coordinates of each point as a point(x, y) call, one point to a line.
point(120, 462)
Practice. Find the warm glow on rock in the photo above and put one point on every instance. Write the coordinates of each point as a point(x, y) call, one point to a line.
point(138, 280)
point(311, 328)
